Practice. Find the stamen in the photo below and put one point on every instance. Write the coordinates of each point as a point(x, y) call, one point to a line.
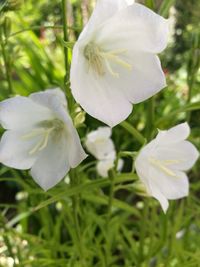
point(99, 60)
point(162, 165)
point(46, 128)
point(117, 60)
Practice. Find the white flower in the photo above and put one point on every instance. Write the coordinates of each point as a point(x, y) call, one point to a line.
point(99, 143)
point(114, 61)
point(101, 146)
point(40, 135)
point(103, 166)
point(162, 163)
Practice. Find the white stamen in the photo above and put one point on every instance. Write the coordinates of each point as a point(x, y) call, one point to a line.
point(99, 60)
point(162, 165)
point(44, 131)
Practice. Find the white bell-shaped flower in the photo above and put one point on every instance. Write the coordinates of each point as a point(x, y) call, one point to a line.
point(40, 135)
point(101, 146)
point(99, 143)
point(162, 163)
point(103, 166)
point(114, 61)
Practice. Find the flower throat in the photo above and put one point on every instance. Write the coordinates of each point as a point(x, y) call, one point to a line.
point(100, 61)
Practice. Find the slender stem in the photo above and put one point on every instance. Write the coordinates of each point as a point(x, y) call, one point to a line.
point(65, 33)
point(66, 59)
point(100, 183)
point(133, 131)
point(109, 216)
point(150, 118)
point(7, 67)
point(111, 194)
point(75, 204)
point(190, 88)
point(142, 233)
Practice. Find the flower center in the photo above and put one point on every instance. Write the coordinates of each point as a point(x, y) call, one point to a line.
point(43, 131)
point(163, 165)
point(100, 61)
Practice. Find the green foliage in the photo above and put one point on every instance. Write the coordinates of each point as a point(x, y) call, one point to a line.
point(79, 225)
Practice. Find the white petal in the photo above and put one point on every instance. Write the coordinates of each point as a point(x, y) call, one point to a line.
point(100, 133)
point(55, 160)
point(144, 80)
point(99, 144)
point(45, 98)
point(54, 100)
point(134, 28)
point(120, 165)
point(175, 134)
point(104, 9)
point(21, 112)
point(180, 156)
point(103, 166)
point(101, 148)
point(52, 164)
point(130, 2)
point(96, 94)
point(172, 187)
point(14, 150)
point(76, 154)
point(161, 198)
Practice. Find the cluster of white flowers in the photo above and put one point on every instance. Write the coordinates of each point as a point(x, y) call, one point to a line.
point(101, 146)
point(114, 65)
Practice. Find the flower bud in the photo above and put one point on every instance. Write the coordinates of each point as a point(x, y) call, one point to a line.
point(79, 119)
point(7, 26)
point(140, 189)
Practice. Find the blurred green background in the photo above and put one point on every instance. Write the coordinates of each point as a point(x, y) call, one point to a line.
point(139, 234)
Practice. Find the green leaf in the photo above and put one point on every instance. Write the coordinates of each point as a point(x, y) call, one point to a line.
point(165, 7)
point(150, 4)
point(189, 107)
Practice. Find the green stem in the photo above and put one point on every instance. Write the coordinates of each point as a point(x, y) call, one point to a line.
point(143, 233)
point(66, 59)
point(108, 251)
point(129, 128)
point(7, 67)
point(150, 118)
point(34, 28)
point(111, 194)
point(65, 33)
point(125, 177)
point(75, 206)
point(190, 88)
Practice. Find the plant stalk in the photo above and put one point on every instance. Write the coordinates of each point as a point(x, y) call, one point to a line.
point(7, 67)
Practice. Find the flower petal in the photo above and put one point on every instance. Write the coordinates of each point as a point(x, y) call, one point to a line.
point(48, 97)
point(173, 135)
point(172, 187)
point(144, 80)
point(97, 95)
point(179, 156)
point(54, 100)
point(99, 144)
point(103, 166)
point(61, 153)
point(101, 132)
point(52, 164)
point(14, 150)
point(101, 148)
point(21, 112)
point(134, 28)
point(104, 9)
point(76, 154)
point(161, 198)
